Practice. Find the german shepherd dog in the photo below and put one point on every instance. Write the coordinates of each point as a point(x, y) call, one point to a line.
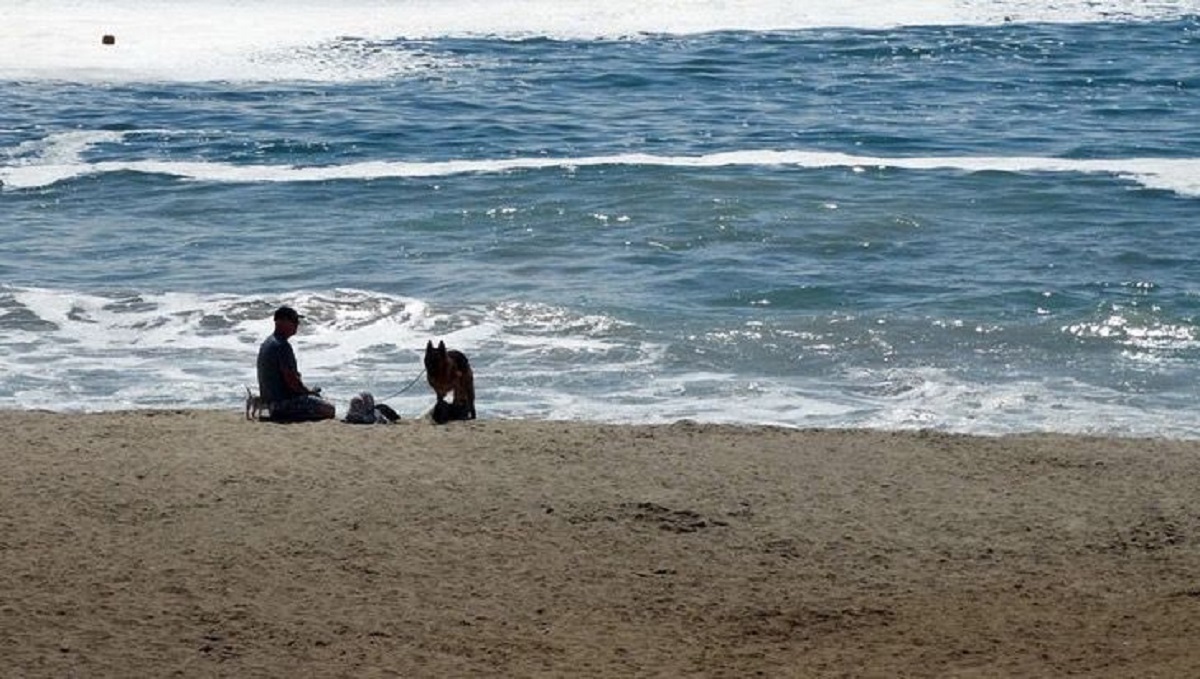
point(449, 371)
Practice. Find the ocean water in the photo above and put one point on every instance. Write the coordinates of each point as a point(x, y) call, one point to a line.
point(975, 216)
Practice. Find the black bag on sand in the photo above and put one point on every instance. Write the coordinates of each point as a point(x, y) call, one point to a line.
point(385, 411)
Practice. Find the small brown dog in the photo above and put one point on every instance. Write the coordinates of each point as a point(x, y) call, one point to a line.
point(254, 405)
point(449, 371)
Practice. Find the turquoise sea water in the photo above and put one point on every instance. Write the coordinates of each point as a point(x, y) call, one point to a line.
point(985, 219)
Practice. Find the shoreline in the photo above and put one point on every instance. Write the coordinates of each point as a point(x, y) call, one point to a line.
point(419, 416)
point(192, 542)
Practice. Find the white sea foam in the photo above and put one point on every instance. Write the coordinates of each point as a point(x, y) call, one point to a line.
point(60, 157)
point(89, 352)
point(232, 40)
point(187, 349)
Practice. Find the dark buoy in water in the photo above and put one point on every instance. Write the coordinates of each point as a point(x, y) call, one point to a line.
point(108, 40)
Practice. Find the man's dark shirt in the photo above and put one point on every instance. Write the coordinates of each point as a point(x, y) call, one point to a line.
point(274, 355)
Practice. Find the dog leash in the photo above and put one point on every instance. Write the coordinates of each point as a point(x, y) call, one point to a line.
point(406, 387)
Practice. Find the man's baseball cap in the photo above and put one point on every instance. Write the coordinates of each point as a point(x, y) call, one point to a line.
point(287, 313)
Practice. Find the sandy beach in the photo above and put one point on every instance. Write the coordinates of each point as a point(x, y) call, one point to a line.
point(196, 544)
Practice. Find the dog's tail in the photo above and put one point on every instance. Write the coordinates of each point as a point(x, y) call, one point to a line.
point(248, 392)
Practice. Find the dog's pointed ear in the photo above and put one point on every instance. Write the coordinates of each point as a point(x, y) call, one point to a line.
point(442, 348)
point(429, 346)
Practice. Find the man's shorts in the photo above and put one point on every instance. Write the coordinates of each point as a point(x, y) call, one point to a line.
point(299, 409)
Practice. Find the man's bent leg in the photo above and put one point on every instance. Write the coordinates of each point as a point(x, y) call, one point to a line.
point(302, 409)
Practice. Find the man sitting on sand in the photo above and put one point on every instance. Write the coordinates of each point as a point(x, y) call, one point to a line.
point(279, 383)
